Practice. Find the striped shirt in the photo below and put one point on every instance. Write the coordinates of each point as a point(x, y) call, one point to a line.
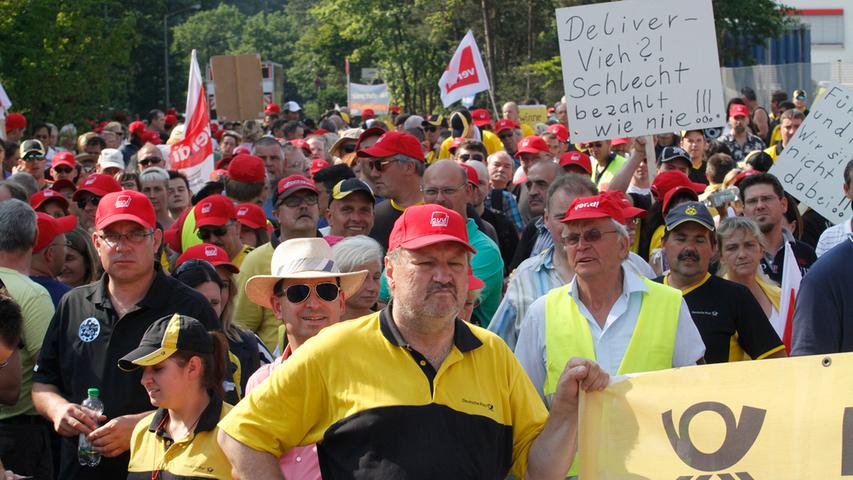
point(509, 207)
point(832, 236)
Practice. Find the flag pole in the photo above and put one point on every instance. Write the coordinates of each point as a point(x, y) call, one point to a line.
point(349, 92)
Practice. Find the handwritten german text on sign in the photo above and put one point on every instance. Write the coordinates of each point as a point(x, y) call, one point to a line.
point(637, 67)
point(811, 167)
point(767, 419)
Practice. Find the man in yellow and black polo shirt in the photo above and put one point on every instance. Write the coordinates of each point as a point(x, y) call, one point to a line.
point(729, 318)
point(411, 391)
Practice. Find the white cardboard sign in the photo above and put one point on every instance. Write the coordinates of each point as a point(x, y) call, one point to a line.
point(811, 167)
point(640, 67)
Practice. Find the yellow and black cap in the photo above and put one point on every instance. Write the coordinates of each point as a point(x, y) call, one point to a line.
point(165, 337)
point(349, 186)
point(689, 212)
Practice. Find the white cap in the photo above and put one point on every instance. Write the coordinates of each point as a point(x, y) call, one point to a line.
point(414, 121)
point(110, 157)
point(291, 106)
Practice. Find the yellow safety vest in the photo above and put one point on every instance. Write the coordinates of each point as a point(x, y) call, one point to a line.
point(567, 335)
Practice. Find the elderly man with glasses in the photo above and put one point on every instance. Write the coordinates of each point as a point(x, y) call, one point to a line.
point(608, 313)
point(97, 324)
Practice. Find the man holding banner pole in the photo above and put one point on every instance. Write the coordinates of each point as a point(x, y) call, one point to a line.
point(609, 314)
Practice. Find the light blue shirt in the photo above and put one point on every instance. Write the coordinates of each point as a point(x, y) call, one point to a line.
point(610, 341)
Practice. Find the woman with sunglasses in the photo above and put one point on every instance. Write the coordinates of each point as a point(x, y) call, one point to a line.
point(245, 351)
point(184, 366)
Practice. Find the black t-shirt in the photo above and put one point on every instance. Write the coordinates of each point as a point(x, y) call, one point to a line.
point(385, 214)
point(86, 339)
point(803, 253)
point(698, 174)
point(730, 321)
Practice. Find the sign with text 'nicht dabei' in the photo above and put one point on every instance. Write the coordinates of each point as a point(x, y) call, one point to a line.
point(757, 420)
point(640, 67)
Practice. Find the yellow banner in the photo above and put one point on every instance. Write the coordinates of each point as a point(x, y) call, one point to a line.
point(762, 420)
point(532, 114)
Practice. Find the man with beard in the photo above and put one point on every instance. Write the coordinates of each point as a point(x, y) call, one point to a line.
point(739, 140)
point(395, 166)
point(296, 208)
point(727, 315)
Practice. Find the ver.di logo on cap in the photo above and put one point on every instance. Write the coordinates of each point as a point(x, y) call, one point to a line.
point(242, 211)
point(123, 201)
point(586, 205)
point(209, 251)
point(439, 219)
point(206, 208)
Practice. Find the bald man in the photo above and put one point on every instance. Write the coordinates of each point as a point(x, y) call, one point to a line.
point(510, 112)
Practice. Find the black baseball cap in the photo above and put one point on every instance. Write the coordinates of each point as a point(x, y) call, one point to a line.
point(436, 120)
point(689, 212)
point(669, 154)
point(351, 185)
point(165, 337)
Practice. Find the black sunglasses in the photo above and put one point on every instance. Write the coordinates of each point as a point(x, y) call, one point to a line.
point(298, 293)
point(505, 136)
point(204, 233)
point(63, 169)
point(150, 161)
point(471, 156)
point(430, 128)
point(93, 200)
point(380, 165)
point(348, 148)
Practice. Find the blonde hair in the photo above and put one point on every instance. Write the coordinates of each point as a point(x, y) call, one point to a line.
point(728, 228)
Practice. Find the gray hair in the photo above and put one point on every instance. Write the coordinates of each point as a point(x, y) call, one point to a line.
point(353, 252)
point(571, 184)
point(265, 142)
point(17, 226)
point(15, 190)
point(420, 166)
point(731, 225)
point(154, 174)
point(26, 181)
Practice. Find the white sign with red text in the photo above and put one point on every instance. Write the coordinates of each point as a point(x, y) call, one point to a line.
point(465, 75)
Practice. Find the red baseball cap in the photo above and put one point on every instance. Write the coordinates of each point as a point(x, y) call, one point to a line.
point(502, 125)
point(367, 114)
point(576, 158)
point(170, 119)
point(560, 131)
point(63, 183)
point(294, 183)
point(98, 184)
point(272, 108)
point(394, 109)
point(533, 144)
point(423, 225)
point(393, 143)
point(740, 176)
point(301, 143)
point(368, 133)
point(454, 144)
point(318, 164)
point(319, 131)
point(14, 121)
point(599, 206)
point(46, 195)
point(214, 210)
point(151, 137)
point(252, 216)
point(127, 205)
point(217, 256)
point(619, 141)
point(247, 168)
point(666, 181)
point(242, 150)
point(136, 127)
point(63, 158)
point(471, 173)
point(474, 283)
point(481, 117)
point(50, 227)
point(628, 209)
point(738, 110)
point(682, 190)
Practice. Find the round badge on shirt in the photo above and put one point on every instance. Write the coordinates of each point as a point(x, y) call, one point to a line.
point(89, 329)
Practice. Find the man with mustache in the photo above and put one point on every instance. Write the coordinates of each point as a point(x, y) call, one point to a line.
point(739, 140)
point(411, 391)
point(730, 320)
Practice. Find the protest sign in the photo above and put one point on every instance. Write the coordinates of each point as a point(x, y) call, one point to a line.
point(465, 75)
point(193, 155)
point(637, 67)
point(811, 167)
point(239, 93)
point(532, 114)
point(754, 420)
point(376, 97)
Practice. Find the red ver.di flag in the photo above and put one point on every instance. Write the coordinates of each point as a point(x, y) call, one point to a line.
point(465, 75)
point(193, 155)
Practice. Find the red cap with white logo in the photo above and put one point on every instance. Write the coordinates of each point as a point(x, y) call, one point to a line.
point(126, 205)
point(423, 225)
point(50, 228)
point(393, 143)
point(98, 184)
point(217, 256)
point(533, 144)
point(63, 158)
point(252, 216)
point(214, 210)
point(47, 195)
point(599, 206)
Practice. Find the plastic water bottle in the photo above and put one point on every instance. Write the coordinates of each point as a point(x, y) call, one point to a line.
point(86, 453)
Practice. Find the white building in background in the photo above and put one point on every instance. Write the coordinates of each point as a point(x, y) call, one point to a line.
point(831, 24)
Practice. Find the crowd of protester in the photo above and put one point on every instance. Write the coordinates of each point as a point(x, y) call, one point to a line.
point(469, 274)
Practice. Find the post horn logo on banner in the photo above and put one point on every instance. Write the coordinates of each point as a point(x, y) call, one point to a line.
point(740, 436)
